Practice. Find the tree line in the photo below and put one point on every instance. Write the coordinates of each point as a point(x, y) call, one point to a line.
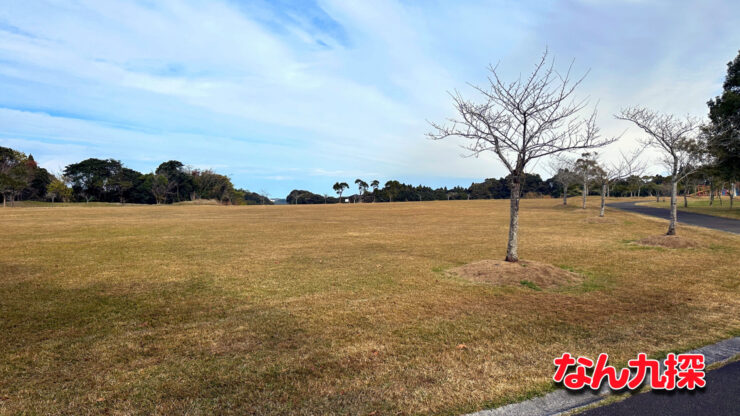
point(569, 182)
point(108, 180)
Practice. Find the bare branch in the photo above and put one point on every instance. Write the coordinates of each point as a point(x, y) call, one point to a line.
point(523, 120)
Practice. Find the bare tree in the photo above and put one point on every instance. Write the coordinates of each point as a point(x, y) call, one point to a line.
point(264, 196)
point(677, 141)
point(564, 174)
point(587, 170)
point(608, 173)
point(521, 121)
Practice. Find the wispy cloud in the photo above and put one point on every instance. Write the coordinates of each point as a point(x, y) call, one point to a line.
point(325, 90)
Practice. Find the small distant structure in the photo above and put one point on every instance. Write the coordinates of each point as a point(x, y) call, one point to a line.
point(705, 190)
point(702, 190)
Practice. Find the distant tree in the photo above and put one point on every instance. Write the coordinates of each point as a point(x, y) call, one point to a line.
point(161, 187)
point(634, 184)
point(243, 196)
point(587, 169)
point(16, 172)
point(300, 196)
point(460, 193)
point(374, 184)
point(392, 189)
point(40, 179)
point(9, 158)
point(122, 182)
point(723, 131)
point(521, 121)
point(565, 175)
point(94, 178)
point(265, 197)
point(179, 176)
point(361, 187)
point(608, 173)
point(211, 185)
point(339, 188)
point(676, 139)
point(58, 189)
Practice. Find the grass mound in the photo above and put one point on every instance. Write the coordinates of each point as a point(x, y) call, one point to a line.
point(668, 241)
point(499, 272)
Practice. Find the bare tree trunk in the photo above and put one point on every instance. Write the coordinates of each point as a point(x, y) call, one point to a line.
point(719, 193)
point(565, 194)
point(603, 194)
point(3, 200)
point(513, 244)
point(732, 194)
point(711, 193)
point(585, 192)
point(685, 197)
point(674, 213)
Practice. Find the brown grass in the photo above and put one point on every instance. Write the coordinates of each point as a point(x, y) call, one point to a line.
point(499, 272)
point(332, 309)
point(601, 220)
point(669, 241)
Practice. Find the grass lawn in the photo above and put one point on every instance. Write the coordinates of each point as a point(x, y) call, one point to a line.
point(701, 206)
point(333, 309)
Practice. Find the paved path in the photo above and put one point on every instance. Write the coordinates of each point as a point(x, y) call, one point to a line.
point(562, 400)
point(721, 396)
point(709, 221)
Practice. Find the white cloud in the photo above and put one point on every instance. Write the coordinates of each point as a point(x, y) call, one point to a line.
point(262, 91)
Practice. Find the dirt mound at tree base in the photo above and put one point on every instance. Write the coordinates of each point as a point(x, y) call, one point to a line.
point(669, 241)
point(499, 272)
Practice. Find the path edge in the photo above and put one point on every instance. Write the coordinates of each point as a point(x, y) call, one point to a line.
point(561, 401)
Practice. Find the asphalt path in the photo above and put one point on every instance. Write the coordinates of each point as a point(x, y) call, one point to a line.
point(729, 225)
point(720, 397)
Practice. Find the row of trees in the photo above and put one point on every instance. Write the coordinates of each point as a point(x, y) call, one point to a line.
point(107, 180)
point(564, 184)
point(538, 116)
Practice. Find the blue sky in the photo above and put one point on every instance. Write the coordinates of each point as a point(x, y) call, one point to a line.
point(299, 94)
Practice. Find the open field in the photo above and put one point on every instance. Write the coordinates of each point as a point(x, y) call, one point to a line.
point(333, 309)
point(701, 206)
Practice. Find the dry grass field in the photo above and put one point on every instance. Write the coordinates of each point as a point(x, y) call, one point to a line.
point(701, 206)
point(333, 309)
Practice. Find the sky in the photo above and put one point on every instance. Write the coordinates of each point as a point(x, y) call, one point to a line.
point(283, 95)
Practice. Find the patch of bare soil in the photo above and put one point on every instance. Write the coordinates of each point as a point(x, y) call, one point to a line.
point(669, 241)
point(499, 272)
